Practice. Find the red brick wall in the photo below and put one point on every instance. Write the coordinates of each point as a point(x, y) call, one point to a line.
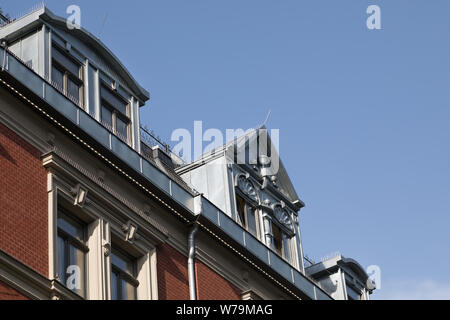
point(8, 293)
point(23, 202)
point(173, 283)
point(211, 286)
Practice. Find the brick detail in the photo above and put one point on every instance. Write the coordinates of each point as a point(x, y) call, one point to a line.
point(173, 283)
point(23, 202)
point(212, 286)
point(8, 293)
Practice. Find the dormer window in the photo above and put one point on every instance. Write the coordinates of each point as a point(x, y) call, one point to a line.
point(247, 215)
point(67, 75)
point(281, 242)
point(282, 232)
point(114, 112)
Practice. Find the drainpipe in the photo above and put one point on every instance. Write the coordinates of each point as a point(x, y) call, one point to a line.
point(191, 263)
point(5, 47)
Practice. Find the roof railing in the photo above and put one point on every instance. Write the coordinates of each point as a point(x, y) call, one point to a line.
point(150, 140)
point(308, 262)
point(6, 19)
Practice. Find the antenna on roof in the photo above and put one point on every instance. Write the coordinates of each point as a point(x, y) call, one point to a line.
point(267, 118)
point(103, 25)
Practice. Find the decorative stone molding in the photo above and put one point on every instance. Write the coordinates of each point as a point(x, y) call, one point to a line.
point(101, 175)
point(80, 194)
point(50, 139)
point(268, 236)
point(130, 230)
point(147, 209)
point(106, 248)
point(247, 187)
point(283, 217)
point(250, 295)
point(55, 297)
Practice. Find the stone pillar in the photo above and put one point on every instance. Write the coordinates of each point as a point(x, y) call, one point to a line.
point(268, 236)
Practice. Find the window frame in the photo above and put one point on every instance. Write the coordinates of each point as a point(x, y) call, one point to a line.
point(275, 239)
point(115, 112)
point(285, 241)
point(101, 230)
point(68, 75)
point(248, 206)
point(124, 275)
point(71, 240)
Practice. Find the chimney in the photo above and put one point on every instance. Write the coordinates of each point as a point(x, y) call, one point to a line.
point(163, 156)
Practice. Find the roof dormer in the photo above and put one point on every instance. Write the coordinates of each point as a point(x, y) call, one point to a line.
point(82, 68)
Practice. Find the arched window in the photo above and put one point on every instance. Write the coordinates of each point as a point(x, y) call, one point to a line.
point(282, 232)
point(247, 213)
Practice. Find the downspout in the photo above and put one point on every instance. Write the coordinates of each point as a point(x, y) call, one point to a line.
point(191, 263)
point(5, 48)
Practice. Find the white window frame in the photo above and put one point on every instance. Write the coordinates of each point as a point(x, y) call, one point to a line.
point(99, 243)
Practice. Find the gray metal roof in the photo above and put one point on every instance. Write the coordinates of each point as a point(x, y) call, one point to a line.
point(285, 185)
point(22, 25)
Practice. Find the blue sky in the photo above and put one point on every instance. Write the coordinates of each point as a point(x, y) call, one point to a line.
point(363, 115)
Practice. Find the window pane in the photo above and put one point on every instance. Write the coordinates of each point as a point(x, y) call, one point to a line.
point(76, 276)
point(66, 62)
point(29, 52)
point(61, 260)
point(277, 239)
point(240, 206)
point(251, 221)
point(122, 289)
point(107, 117)
point(122, 263)
point(114, 286)
point(113, 100)
point(122, 129)
point(73, 228)
point(73, 90)
point(58, 78)
point(128, 291)
point(287, 248)
point(352, 294)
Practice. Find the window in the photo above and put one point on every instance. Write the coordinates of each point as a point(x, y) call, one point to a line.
point(277, 239)
point(107, 117)
point(247, 215)
point(58, 77)
point(114, 112)
point(281, 242)
point(353, 293)
point(286, 247)
point(72, 252)
point(123, 276)
point(66, 75)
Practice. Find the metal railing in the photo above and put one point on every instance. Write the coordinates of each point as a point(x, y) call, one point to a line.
point(149, 140)
point(5, 19)
point(308, 262)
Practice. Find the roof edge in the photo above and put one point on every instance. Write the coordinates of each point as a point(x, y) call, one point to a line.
point(46, 15)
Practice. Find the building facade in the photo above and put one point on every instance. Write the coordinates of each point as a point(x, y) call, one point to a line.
point(93, 207)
